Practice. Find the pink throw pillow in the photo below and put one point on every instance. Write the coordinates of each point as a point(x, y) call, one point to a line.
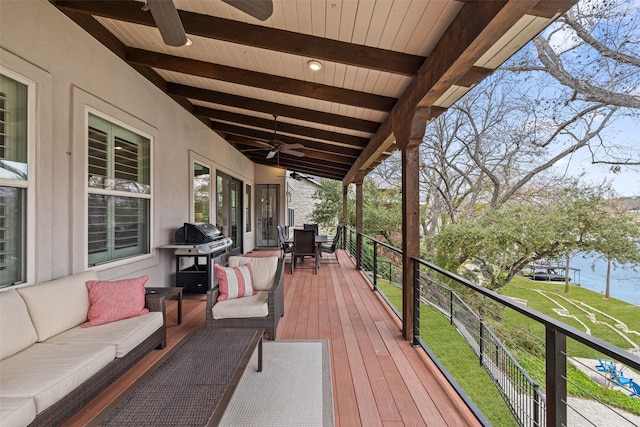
point(115, 300)
point(234, 282)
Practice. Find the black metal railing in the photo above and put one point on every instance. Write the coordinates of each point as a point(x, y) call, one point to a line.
point(532, 404)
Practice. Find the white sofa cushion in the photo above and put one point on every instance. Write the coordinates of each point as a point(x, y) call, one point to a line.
point(125, 334)
point(17, 411)
point(253, 306)
point(16, 329)
point(48, 372)
point(263, 270)
point(58, 305)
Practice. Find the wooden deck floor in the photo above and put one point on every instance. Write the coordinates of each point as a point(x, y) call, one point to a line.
point(378, 377)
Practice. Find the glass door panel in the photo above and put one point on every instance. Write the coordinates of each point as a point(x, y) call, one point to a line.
point(267, 202)
point(229, 209)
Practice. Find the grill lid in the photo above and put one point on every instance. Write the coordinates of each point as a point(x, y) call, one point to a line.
point(197, 233)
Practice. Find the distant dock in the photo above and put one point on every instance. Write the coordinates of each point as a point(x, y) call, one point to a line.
point(551, 272)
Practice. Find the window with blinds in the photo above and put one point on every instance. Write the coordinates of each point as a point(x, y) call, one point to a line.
point(119, 192)
point(13, 179)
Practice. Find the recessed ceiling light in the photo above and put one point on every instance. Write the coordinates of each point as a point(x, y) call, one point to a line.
point(314, 65)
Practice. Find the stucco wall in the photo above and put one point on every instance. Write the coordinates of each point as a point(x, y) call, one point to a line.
point(74, 72)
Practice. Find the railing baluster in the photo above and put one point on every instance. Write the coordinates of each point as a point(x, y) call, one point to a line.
point(375, 265)
point(481, 343)
point(536, 405)
point(416, 303)
point(451, 306)
point(556, 372)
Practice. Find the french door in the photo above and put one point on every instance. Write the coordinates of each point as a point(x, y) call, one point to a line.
point(229, 209)
point(267, 202)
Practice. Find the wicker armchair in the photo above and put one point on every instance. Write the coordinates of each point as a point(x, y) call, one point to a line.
point(262, 310)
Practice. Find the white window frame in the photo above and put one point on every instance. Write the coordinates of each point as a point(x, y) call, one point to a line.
point(118, 262)
point(203, 161)
point(29, 184)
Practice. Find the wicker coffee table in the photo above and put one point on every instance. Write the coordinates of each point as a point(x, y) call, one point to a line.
point(191, 385)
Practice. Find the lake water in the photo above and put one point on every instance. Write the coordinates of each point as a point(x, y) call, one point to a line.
point(625, 283)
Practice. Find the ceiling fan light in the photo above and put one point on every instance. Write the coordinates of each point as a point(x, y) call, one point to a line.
point(189, 42)
point(314, 65)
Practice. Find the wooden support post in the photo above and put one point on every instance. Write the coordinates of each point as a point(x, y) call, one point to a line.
point(409, 131)
point(359, 222)
point(345, 215)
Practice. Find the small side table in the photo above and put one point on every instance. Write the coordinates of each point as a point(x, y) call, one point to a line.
point(168, 292)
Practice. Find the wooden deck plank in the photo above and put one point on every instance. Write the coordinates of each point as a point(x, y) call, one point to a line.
point(374, 356)
point(379, 379)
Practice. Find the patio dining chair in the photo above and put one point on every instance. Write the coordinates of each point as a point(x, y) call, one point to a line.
point(285, 244)
point(325, 249)
point(304, 245)
point(635, 388)
point(313, 227)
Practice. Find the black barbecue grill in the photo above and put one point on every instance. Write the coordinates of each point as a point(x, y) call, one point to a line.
point(197, 247)
point(203, 238)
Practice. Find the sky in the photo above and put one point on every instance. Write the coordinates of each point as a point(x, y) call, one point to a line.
point(626, 183)
point(624, 132)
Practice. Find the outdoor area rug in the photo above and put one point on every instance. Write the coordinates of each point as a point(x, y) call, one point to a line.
point(293, 389)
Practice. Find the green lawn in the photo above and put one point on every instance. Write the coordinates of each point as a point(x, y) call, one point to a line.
point(460, 361)
point(579, 384)
point(458, 358)
point(523, 288)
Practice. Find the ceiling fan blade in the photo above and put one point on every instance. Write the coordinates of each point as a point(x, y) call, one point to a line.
point(259, 9)
point(296, 146)
point(270, 154)
point(168, 21)
point(291, 152)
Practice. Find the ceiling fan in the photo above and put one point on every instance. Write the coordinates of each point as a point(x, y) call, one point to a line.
point(295, 175)
point(171, 29)
point(276, 146)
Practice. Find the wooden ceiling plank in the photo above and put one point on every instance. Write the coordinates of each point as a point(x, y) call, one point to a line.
point(260, 80)
point(284, 127)
point(272, 108)
point(259, 36)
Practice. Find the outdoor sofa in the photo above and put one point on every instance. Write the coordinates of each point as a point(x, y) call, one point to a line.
point(51, 366)
point(262, 310)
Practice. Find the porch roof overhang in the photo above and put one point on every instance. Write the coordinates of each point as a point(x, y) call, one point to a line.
point(381, 60)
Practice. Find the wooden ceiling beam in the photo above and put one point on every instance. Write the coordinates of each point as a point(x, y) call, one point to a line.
point(266, 136)
point(284, 127)
point(551, 8)
point(260, 157)
point(259, 36)
point(477, 27)
point(313, 170)
point(260, 80)
point(252, 104)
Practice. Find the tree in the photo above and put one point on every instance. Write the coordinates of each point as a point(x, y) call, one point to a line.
point(381, 207)
point(617, 240)
point(504, 241)
point(329, 211)
point(593, 52)
point(501, 141)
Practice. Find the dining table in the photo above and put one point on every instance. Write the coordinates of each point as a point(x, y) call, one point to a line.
point(320, 240)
